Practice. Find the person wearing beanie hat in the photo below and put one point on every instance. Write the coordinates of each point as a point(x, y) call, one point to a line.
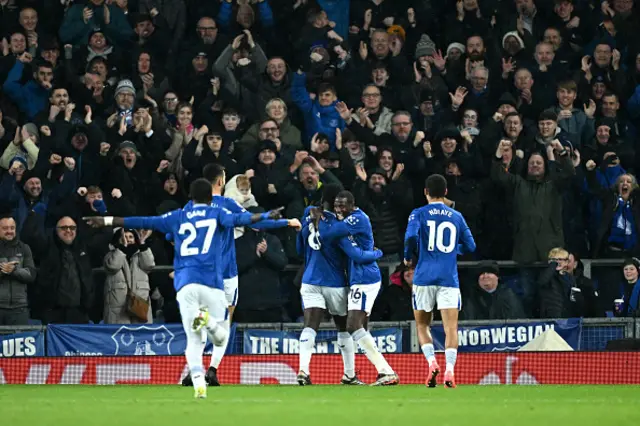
point(128, 152)
point(512, 43)
point(425, 47)
point(125, 96)
point(455, 50)
point(490, 300)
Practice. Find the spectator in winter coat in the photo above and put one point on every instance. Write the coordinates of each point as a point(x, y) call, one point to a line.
point(629, 290)
point(127, 266)
point(17, 273)
point(491, 300)
point(65, 286)
point(395, 301)
point(260, 261)
point(561, 294)
point(388, 203)
point(618, 231)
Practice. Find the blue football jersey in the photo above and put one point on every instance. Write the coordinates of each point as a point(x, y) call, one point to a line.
point(326, 263)
point(357, 227)
point(228, 246)
point(437, 234)
point(198, 232)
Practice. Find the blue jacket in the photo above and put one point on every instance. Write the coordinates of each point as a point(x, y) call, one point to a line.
point(317, 119)
point(31, 98)
point(11, 195)
point(338, 12)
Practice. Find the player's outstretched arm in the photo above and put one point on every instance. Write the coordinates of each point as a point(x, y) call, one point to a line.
point(230, 220)
point(157, 223)
point(356, 253)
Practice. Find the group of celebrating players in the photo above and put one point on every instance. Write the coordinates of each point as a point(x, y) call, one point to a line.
point(341, 274)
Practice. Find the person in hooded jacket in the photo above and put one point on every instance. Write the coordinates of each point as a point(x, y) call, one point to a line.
point(127, 266)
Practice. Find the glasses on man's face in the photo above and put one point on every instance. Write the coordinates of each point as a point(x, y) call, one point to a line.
point(171, 100)
point(68, 228)
point(207, 28)
point(371, 95)
point(559, 259)
point(268, 129)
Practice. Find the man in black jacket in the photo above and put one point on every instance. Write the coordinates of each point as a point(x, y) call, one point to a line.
point(65, 284)
point(261, 259)
point(490, 300)
point(17, 271)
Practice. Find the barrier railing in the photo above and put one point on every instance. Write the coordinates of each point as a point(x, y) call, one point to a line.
point(594, 333)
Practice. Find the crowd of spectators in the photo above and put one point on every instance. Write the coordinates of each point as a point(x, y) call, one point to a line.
point(112, 107)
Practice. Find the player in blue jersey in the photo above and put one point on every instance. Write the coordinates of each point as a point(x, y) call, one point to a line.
point(436, 234)
point(324, 285)
point(216, 175)
point(364, 281)
point(198, 267)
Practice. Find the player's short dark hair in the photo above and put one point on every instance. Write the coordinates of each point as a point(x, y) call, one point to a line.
point(329, 194)
point(212, 172)
point(348, 196)
point(200, 191)
point(436, 186)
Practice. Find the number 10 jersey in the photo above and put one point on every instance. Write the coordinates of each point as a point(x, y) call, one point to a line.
point(436, 234)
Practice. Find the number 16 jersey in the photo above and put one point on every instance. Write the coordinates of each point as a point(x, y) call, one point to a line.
point(437, 234)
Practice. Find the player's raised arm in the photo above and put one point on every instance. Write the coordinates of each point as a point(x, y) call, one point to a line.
point(357, 254)
point(411, 237)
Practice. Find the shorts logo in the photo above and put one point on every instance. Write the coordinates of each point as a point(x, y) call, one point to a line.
point(143, 340)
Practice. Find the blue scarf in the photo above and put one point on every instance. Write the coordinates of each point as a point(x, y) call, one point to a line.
point(623, 226)
point(632, 303)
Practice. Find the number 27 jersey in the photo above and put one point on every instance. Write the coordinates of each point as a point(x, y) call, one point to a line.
point(438, 234)
point(198, 240)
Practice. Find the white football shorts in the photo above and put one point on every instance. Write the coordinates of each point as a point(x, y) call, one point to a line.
point(332, 299)
point(425, 297)
point(192, 297)
point(363, 296)
point(231, 290)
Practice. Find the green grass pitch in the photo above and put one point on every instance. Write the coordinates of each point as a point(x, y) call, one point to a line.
point(319, 405)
